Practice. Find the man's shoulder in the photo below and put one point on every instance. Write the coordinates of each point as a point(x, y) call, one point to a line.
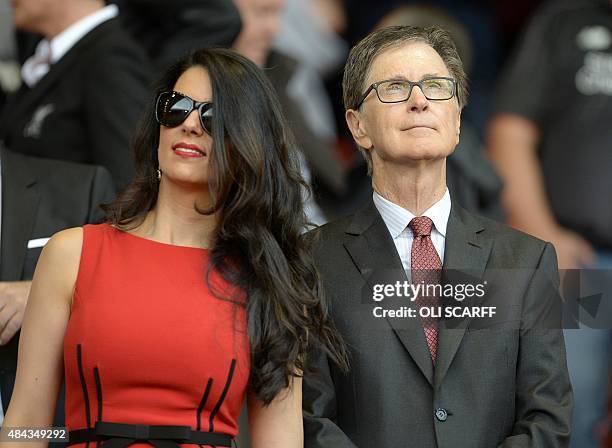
point(57, 176)
point(327, 241)
point(500, 229)
point(335, 227)
point(54, 169)
point(67, 194)
point(106, 51)
point(113, 41)
point(110, 32)
point(508, 244)
point(331, 232)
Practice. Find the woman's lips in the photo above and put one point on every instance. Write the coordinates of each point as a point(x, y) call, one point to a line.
point(188, 150)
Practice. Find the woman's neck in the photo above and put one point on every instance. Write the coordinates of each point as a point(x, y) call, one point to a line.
point(175, 220)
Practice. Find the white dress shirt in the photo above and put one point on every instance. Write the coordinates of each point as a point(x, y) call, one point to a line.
point(49, 52)
point(397, 218)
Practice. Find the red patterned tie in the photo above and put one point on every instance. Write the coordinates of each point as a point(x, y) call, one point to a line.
point(426, 268)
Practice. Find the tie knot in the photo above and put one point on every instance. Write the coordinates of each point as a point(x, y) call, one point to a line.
point(421, 226)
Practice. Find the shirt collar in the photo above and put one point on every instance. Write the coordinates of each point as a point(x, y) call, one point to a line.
point(65, 40)
point(397, 218)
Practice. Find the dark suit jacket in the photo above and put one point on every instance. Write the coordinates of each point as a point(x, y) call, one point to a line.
point(501, 382)
point(87, 107)
point(39, 198)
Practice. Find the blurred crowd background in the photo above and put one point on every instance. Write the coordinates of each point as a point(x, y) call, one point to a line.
point(536, 136)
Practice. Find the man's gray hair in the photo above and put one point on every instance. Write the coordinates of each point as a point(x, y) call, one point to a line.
point(359, 62)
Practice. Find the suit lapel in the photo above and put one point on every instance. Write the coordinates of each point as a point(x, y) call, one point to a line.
point(19, 204)
point(466, 254)
point(28, 98)
point(372, 250)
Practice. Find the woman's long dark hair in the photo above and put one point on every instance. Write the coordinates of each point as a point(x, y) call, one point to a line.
point(257, 194)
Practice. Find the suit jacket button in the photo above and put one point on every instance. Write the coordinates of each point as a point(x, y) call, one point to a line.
point(441, 414)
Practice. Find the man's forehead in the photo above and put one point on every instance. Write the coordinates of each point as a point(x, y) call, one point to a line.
point(406, 61)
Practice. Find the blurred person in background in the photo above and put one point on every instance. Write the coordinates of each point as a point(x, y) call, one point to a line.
point(39, 197)
point(83, 88)
point(261, 21)
point(10, 79)
point(550, 140)
point(169, 29)
point(310, 34)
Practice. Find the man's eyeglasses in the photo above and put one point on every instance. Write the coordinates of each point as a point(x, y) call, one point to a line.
point(398, 90)
point(173, 108)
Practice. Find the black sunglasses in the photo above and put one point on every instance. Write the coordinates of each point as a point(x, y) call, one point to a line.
point(172, 108)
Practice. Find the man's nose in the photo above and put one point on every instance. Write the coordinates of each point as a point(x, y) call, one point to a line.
point(417, 101)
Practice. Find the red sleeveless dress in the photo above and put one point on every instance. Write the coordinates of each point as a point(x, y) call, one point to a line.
point(148, 343)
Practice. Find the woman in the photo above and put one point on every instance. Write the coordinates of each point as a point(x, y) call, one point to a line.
point(197, 291)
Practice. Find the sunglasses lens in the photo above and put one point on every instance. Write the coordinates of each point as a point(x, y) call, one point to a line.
point(172, 108)
point(206, 116)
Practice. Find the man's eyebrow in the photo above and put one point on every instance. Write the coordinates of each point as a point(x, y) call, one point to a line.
point(400, 77)
point(426, 75)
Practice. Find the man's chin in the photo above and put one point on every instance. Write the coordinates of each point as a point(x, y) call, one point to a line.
point(416, 156)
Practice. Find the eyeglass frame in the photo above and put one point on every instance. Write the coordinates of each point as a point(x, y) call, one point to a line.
point(419, 83)
point(195, 105)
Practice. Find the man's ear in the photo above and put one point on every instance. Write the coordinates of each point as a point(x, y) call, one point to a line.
point(458, 126)
point(356, 126)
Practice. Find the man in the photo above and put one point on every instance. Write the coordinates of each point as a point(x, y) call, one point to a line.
point(550, 140)
point(39, 197)
point(84, 88)
point(430, 381)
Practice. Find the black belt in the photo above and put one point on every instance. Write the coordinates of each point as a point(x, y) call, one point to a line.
point(121, 435)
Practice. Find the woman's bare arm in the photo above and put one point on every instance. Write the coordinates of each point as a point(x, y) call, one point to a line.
point(278, 425)
point(40, 361)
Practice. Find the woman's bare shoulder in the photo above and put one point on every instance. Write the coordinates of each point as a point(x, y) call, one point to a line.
point(61, 255)
point(65, 243)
